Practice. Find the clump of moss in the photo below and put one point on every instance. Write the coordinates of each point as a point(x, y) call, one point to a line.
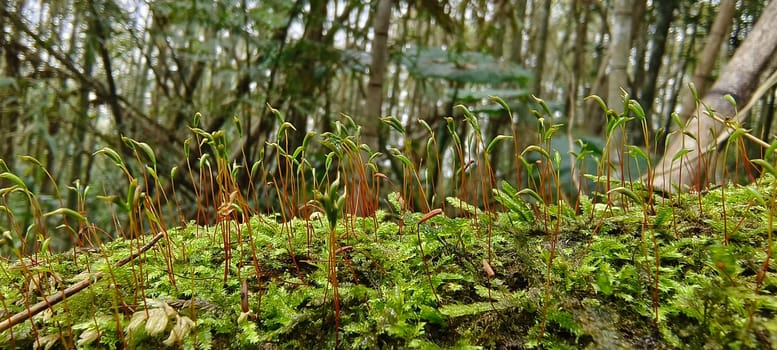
point(620, 277)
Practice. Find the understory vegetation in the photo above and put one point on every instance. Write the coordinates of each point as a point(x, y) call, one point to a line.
point(350, 258)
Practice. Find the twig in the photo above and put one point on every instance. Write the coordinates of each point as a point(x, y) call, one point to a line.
point(58, 297)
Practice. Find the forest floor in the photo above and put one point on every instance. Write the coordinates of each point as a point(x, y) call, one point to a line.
point(692, 272)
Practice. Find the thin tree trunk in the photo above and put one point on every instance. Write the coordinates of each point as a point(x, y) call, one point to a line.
point(370, 123)
point(9, 95)
point(639, 38)
point(664, 14)
point(82, 117)
point(702, 133)
point(593, 118)
point(112, 94)
point(702, 75)
point(517, 25)
point(620, 49)
point(542, 44)
point(684, 54)
point(578, 58)
point(304, 79)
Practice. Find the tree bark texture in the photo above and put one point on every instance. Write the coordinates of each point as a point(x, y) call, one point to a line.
point(702, 75)
point(620, 49)
point(370, 122)
point(687, 160)
point(542, 42)
point(664, 14)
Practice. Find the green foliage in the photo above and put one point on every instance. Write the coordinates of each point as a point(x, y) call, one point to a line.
point(706, 295)
point(464, 67)
point(693, 270)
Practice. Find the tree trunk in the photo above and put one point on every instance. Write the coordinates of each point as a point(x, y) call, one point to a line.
point(639, 37)
point(592, 115)
point(698, 143)
point(702, 75)
point(370, 123)
point(542, 44)
point(516, 26)
point(305, 82)
point(620, 49)
point(664, 13)
point(10, 94)
point(581, 12)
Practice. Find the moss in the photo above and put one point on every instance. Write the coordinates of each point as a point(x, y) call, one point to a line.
point(601, 291)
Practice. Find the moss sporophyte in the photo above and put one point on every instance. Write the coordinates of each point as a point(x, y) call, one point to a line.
point(350, 257)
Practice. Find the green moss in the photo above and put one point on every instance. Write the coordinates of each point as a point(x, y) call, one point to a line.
point(601, 290)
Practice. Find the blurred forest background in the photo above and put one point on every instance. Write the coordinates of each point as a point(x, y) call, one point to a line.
point(79, 75)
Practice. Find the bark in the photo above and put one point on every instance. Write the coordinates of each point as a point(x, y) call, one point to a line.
point(592, 117)
point(81, 121)
point(112, 93)
point(304, 81)
point(578, 57)
point(370, 123)
point(542, 44)
point(578, 69)
point(702, 75)
point(10, 113)
point(639, 39)
point(686, 163)
point(664, 15)
point(620, 48)
point(516, 27)
point(683, 57)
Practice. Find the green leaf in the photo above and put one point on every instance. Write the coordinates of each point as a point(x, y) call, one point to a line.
point(465, 67)
point(513, 204)
point(477, 94)
point(459, 310)
point(756, 195)
point(724, 260)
